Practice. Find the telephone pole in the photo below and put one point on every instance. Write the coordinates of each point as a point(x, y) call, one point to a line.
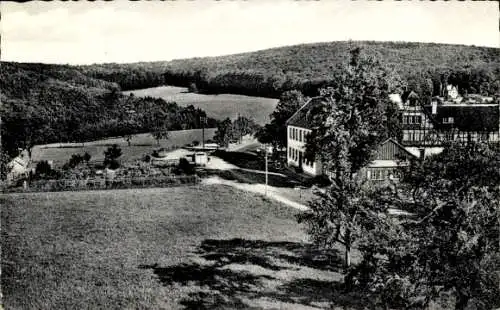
point(265, 147)
point(203, 120)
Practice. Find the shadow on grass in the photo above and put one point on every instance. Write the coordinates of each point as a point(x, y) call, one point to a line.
point(220, 286)
point(263, 253)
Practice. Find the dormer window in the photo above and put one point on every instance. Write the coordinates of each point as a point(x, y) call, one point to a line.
point(448, 120)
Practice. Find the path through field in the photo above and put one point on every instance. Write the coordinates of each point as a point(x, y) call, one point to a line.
point(271, 191)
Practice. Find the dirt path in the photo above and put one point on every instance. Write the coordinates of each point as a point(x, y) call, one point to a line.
point(272, 192)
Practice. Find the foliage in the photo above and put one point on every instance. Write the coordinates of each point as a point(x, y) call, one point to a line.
point(185, 167)
point(44, 170)
point(452, 244)
point(243, 126)
point(224, 133)
point(160, 132)
point(347, 127)
point(111, 155)
point(4, 160)
point(275, 132)
point(50, 103)
point(309, 67)
point(86, 157)
point(75, 160)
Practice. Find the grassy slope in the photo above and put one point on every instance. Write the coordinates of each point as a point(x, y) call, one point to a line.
point(216, 106)
point(159, 248)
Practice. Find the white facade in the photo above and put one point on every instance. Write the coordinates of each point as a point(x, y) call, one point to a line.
point(296, 147)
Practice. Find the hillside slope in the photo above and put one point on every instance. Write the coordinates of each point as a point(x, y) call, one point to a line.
point(43, 103)
point(310, 66)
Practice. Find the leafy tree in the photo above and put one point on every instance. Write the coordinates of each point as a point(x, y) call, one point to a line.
point(348, 125)
point(160, 131)
point(111, 156)
point(451, 244)
point(43, 168)
point(86, 157)
point(243, 126)
point(224, 132)
point(4, 160)
point(75, 160)
point(275, 132)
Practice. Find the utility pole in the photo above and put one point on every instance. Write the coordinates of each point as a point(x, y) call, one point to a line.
point(265, 148)
point(203, 119)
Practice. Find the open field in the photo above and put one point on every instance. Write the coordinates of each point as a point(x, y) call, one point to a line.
point(162, 249)
point(142, 144)
point(216, 106)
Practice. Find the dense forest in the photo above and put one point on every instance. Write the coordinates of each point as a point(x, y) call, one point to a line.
point(309, 67)
point(52, 103)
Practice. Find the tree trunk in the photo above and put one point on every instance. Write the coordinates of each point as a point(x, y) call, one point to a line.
point(461, 301)
point(347, 256)
point(348, 277)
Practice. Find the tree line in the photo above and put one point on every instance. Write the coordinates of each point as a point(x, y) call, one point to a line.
point(39, 108)
point(310, 67)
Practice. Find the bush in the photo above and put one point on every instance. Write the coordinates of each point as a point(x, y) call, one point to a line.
point(75, 160)
point(86, 157)
point(196, 143)
point(184, 167)
point(113, 164)
point(111, 155)
point(43, 168)
point(146, 158)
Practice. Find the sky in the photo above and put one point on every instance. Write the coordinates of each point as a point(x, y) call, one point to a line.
point(120, 31)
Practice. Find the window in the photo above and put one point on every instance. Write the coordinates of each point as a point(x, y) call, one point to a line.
point(377, 174)
point(290, 132)
point(412, 119)
point(300, 135)
point(448, 120)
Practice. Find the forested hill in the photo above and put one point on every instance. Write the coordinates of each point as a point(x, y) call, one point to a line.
point(44, 103)
point(308, 67)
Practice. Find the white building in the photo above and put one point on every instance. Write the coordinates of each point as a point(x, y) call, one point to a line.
point(390, 155)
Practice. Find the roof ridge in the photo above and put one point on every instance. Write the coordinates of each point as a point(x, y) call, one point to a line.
point(296, 112)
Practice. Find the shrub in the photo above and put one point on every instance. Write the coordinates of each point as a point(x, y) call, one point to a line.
point(75, 160)
point(86, 157)
point(43, 168)
point(111, 155)
point(196, 143)
point(146, 158)
point(184, 167)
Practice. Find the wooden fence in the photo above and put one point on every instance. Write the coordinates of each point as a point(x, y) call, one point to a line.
point(101, 183)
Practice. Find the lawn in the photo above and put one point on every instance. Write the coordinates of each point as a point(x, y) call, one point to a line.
point(141, 145)
point(216, 106)
point(175, 248)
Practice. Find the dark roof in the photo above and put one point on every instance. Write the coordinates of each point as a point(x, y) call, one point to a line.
point(473, 117)
point(390, 149)
point(304, 116)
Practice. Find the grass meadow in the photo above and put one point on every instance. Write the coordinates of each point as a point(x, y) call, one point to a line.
point(199, 247)
point(217, 106)
point(141, 145)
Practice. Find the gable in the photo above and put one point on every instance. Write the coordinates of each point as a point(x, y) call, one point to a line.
point(391, 150)
point(303, 118)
